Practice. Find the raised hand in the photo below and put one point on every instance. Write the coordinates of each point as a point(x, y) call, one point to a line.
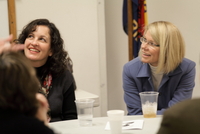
point(5, 45)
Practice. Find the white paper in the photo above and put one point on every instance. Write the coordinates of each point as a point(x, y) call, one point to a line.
point(129, 125)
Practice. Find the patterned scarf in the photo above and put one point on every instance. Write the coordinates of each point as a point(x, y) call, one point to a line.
point(47, 84)
point(46, 87)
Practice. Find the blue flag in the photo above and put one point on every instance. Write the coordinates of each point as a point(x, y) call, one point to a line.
point(139, 15)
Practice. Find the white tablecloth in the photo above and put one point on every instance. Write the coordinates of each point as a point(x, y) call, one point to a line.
point(150, 126)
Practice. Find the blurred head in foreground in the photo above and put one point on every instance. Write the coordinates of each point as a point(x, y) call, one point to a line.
point(18, 84)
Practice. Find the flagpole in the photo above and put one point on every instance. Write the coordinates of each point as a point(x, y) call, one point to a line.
point(12, 18)
point(130, 30)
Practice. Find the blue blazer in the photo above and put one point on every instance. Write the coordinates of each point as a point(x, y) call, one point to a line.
point(174, 87)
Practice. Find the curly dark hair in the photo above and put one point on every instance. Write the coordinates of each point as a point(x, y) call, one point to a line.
point(18, 84)
point(60, 60)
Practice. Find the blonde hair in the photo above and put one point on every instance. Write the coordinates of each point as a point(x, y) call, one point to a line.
point(172, 45)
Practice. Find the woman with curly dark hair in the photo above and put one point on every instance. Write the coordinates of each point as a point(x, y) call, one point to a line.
point(44, 47)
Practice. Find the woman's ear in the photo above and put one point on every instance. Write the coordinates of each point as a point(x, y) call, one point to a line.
point(50, 53)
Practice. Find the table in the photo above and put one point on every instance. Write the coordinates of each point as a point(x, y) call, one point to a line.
point(82, 94)
point(150, 126)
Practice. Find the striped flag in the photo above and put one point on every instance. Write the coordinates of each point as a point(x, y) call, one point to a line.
point(139, 15)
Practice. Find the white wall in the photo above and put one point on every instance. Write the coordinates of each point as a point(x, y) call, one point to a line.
point(117, 53)
point(4, 32)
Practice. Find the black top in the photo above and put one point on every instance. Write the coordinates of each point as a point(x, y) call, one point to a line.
point(12, 122)
point(61, 97)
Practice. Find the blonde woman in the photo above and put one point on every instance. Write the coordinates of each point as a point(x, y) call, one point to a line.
point(160, 67)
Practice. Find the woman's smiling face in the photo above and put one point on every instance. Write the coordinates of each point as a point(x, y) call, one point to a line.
point(149, 54)
point(38, 46)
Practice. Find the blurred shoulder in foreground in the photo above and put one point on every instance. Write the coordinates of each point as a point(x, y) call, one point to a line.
point(182, 118)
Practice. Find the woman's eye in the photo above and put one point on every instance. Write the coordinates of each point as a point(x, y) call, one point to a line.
point(152, 44)
point(145, 40)
point(43, 39)
point(30, 36)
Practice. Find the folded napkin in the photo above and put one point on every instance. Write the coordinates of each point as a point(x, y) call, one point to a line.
point(129, 125)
